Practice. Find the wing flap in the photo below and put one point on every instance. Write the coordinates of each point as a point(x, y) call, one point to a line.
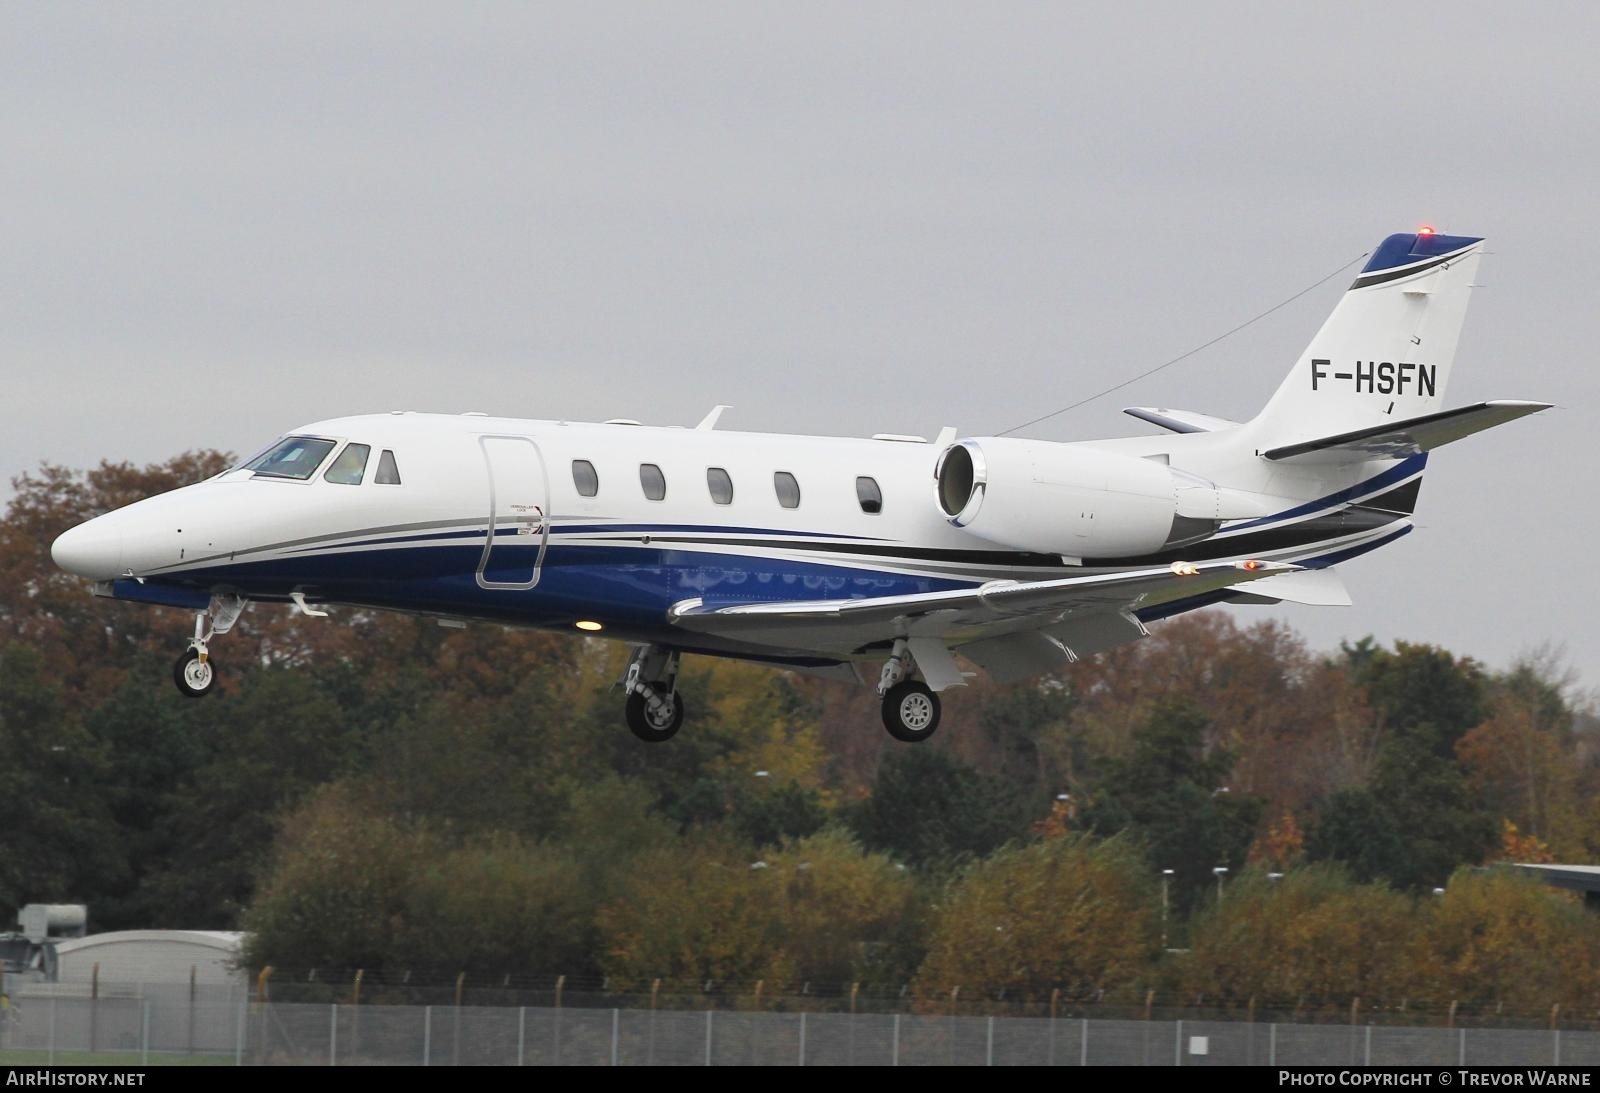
point(1317, 587)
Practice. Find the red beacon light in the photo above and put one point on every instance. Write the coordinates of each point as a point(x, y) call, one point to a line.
point(1426, 229)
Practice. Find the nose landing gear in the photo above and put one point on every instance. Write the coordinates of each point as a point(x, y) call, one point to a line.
point(910, 708)
point(654, 708)
point(195, 673)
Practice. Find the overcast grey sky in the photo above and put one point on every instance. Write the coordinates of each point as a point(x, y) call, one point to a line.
point(220, 221)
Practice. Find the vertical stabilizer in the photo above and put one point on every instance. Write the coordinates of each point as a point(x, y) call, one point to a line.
point(1385, 352)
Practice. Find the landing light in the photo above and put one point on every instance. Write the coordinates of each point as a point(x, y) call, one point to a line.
point(586, 624)
point(1184, 569)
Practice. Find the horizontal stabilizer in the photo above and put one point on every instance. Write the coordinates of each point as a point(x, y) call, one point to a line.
point(1179, 421)
point(1317, 587)
point(1400, 439)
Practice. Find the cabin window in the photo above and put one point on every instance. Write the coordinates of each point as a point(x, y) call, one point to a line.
point(292, 457)
point(720, 485)
point(350, 467)
point(653, 482)
point(787, 488)
point(585, 477)
point(870, 496)
point(388, 470)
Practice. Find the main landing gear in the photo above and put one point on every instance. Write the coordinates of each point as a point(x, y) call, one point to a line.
point(195, 672)
point(910, 708)
point(654, 707)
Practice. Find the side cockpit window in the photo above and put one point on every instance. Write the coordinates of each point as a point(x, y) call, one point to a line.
point(388, 472)
point(295, 457)
point(351, 465)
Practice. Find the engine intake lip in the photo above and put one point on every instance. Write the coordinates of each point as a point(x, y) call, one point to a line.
point(959, 480)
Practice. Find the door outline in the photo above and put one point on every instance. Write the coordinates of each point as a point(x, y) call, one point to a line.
point(543, 517)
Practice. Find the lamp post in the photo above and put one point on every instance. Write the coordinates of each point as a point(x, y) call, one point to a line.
point(1220, 871)
point(1166, 879)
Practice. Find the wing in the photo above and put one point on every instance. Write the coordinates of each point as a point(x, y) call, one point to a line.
point(1054, 620)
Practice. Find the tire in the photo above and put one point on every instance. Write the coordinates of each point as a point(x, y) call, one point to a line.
point(194, 677)
point(653, 731)
point(911, 711)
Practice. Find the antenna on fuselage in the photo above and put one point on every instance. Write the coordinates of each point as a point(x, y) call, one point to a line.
point(709, 422)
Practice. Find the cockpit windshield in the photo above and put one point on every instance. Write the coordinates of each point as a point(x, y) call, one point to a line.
point(292, 457)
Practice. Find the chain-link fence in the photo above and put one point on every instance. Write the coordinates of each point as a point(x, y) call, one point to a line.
point(171, 1028)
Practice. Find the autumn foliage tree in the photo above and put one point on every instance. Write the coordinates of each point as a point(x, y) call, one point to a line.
point(1074, 913)
point(1310, 938)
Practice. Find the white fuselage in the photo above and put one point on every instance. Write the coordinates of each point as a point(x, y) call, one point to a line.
point(490, 520)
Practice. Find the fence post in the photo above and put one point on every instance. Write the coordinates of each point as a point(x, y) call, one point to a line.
point(238, 1032)
point(1557, 1061)
point(850, 1057)
point(561, 982)
point(1272, 1044)
point(522, 1031)
point(355, 1013)
point(1462, 1054)
point(94, 1007)
point(988, 1053)
point(52, 1053)
point(190, 1037)
point(1177, 1047)
point(427, 1035)
point(708, 1037)
point(894, 1059)
point(1367, 1053)
point(615, 1019)
point(333, 1034)
point(1083, 1045)
point(262, 994)
point(802, 1037)
point(144, 1035)
point(650, 1047)
point(1055, 1001)
point(455, 1046)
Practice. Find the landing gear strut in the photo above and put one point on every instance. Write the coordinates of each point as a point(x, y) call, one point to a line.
point(654, 707)
point(910, 708)
point(195, 672)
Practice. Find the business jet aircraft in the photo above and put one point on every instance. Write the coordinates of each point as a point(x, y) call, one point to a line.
point(825, 554)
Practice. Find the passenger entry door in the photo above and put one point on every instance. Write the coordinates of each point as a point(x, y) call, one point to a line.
point(519, 529)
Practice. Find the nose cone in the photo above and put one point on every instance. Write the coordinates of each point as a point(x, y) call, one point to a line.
point(93, 549)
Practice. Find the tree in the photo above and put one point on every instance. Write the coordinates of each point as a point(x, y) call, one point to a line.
point(1520, 760)
point(61, 842)
point(928, 809)
point(1074, 913)
point(820, 910)
point(1171, 794)
point(1500, 939)
point(1312, 936)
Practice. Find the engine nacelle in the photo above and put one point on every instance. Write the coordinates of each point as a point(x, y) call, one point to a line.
point(1071, 499)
